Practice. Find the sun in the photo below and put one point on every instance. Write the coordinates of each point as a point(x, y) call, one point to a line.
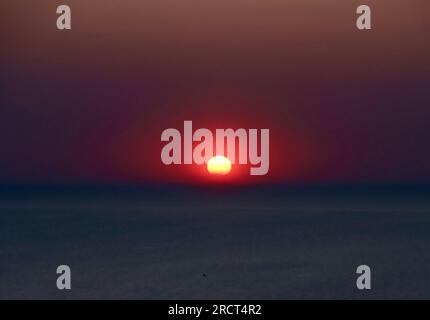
point(219, 165)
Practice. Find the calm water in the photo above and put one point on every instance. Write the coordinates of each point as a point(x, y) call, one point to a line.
point(166, 242)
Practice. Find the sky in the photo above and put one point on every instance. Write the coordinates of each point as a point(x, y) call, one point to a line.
point(89, 105)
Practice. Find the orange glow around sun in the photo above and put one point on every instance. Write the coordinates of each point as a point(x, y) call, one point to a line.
point(219, 165)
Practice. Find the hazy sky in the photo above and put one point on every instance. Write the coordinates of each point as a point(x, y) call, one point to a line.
point(89, 105)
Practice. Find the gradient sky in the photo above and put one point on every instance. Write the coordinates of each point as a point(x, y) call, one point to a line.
point(89, 105)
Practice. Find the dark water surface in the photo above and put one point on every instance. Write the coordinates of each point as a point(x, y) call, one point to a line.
point(173, 242)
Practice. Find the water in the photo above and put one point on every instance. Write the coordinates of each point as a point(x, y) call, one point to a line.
point(175, 242)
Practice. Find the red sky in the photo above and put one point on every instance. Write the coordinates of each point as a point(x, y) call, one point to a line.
point(89, 105)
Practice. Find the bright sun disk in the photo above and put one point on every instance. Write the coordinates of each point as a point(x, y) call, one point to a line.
point(219, 165)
